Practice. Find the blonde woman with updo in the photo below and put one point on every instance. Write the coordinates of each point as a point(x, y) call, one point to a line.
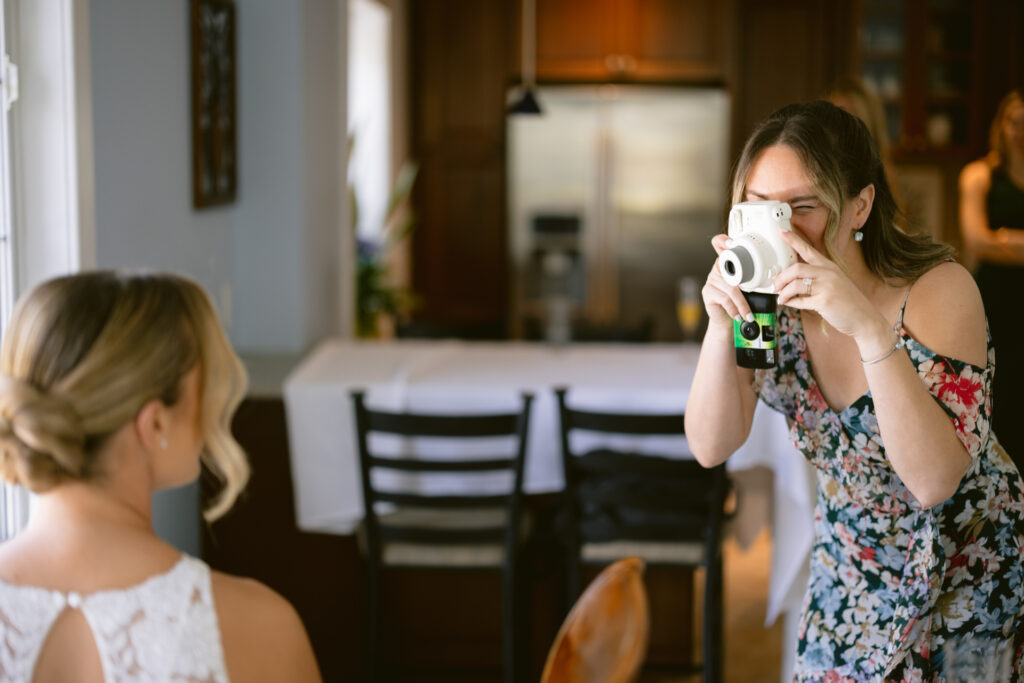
point(114, 386)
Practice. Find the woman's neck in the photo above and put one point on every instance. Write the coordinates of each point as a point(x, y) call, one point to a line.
point(119, 495)
point(1014, 167)
point(77, 507)
point(81, 537)
point(857, 269)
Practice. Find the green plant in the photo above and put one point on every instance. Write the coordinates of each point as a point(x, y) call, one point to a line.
point(375, 293)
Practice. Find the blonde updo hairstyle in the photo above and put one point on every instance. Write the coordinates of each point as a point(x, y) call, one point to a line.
point(84, 353)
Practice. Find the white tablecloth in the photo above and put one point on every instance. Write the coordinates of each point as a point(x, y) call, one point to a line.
point(451, 376)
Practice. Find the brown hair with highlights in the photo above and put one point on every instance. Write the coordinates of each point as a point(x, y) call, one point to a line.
point(841, 159)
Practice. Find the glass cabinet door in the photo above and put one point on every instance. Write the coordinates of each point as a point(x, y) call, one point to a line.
point(920, 56)
point(883, 38)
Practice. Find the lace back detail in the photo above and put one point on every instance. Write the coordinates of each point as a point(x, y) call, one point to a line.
point(26, 615)
point(162, 629)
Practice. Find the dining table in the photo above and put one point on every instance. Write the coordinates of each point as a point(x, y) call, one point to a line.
point(453, 376)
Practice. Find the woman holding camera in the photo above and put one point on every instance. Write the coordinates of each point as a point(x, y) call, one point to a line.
point(883, 374)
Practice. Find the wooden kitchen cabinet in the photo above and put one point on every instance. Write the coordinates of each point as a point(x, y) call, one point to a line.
point(632, 40)
point(458, 74)
point(924, 59)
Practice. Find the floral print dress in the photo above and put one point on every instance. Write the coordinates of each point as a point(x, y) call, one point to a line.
point(891, 583)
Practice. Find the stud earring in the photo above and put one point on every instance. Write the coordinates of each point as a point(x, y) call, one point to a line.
point(858, 236)
point(163, 444)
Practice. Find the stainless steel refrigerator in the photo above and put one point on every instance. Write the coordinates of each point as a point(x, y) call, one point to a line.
point(614, 194)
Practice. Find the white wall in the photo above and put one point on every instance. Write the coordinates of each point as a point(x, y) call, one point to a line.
point(142, 151)
point(268, 233)
point(323, 177)
point(271, 259)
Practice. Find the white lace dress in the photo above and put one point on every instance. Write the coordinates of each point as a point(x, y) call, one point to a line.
point(163, 629)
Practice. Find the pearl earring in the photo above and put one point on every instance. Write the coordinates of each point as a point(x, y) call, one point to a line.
point(858, 236)
point(163, 444)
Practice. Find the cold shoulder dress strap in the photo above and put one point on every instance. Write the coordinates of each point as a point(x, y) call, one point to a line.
point(903, 309)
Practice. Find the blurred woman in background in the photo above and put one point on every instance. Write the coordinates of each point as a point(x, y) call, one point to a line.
point(855, 96)
point(851, 93)
point(992, 224)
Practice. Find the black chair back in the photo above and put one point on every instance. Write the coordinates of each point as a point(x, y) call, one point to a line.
point(669, 510)
point(408, 523)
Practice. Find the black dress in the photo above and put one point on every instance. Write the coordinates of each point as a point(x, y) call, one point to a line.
point(1002, 290)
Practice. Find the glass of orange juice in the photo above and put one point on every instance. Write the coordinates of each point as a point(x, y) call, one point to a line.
point(688, 308)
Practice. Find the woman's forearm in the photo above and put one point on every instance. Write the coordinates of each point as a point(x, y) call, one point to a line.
point(720, 408)
point(918, 435)
point(993, 243)
point(1005, 245)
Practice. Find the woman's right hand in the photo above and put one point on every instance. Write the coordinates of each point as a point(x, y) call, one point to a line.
point(723, 302)
point(722, 399)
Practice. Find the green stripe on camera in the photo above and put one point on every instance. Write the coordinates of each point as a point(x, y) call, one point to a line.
point(759, 334)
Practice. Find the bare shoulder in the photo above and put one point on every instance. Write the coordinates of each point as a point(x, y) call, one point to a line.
point(13, 569)
point(10, 557)
point(976, 175)
point(262, 634)
point(945, 313)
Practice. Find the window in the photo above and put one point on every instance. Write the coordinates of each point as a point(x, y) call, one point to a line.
point(369, 112)
point(13, 501)
point(45, 167)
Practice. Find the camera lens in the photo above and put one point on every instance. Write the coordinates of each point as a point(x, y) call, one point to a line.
point(737, 265)
point(750, 330)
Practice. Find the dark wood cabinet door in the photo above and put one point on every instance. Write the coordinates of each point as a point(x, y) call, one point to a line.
point(788, 51)
point(632, 40)
point(674, 40)
point(574, 37)
point(459, 71)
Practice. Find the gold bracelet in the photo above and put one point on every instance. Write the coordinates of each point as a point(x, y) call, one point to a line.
point(894, 349)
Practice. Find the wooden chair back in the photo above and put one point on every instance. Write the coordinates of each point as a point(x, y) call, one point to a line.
point(604, 637)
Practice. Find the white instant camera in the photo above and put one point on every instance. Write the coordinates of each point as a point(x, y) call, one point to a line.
point(758, 252)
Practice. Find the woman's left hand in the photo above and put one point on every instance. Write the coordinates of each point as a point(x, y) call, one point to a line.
point(832, 294)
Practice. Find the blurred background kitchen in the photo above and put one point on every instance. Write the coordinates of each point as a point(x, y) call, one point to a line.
point(582, 222)
point(939, 67)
